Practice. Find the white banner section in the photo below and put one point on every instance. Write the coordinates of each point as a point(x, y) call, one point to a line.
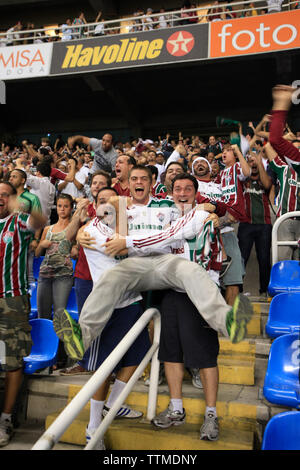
point(28, 61)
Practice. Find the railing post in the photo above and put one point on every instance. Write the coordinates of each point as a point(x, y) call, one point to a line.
point(154, 373)
point(275, 242)
point(67, 416)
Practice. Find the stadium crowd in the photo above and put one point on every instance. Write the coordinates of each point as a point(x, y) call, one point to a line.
point(174, 216)
point(146, 20)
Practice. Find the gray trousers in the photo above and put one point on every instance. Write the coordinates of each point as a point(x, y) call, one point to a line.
point(53, 292)
point(152, 273)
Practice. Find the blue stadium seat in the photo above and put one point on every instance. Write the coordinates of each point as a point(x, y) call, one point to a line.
point(32, 292)
point(284, 315)
point(283, 432)
point(36, 266)
point(285, 277)
point(72, 307)
point(45, 346)
point(282, 385)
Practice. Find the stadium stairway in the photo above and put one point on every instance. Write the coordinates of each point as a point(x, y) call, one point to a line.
point(242, 410)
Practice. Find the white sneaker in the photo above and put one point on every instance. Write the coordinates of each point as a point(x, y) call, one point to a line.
point(196, 381)
point(89, 434)
point(147, 381)
point(124, 412)
point(6, 432)
point(210, 429)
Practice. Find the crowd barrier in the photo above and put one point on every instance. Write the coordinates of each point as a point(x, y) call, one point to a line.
point(67, 416)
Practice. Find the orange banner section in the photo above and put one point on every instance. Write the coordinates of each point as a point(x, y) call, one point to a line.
point(256, 34)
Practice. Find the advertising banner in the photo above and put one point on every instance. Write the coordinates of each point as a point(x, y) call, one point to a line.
point(205, 41)
point(255, 35)
point(28, 61)
point(162, 46)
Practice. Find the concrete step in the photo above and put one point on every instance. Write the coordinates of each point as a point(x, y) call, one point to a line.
point(48, 393)
point(235, 409)
point(241, 406)
point(141, 435)
point(26, 435)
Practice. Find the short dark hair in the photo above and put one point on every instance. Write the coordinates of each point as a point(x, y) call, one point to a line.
point(153, 169)
point(144, 168)
point(175, 163)
point(44, 168)
point(186, 176)
point(22, 173)
point(103, 173)
point(109, 188)
point(48, 159)
point(131, 160)
point(44, 151)
point(66, 196)
point(13, 189)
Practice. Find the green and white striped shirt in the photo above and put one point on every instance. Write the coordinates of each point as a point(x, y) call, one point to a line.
point(15, 238)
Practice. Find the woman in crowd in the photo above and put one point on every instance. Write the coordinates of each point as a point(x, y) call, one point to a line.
point(56, 272)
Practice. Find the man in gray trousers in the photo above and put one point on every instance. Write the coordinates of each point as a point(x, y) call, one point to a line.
point(158, 272)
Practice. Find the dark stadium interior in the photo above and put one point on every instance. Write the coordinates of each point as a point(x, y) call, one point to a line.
point(150, 101)
point(147, 101)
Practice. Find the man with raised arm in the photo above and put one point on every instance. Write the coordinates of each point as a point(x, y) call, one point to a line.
point(282, 100)
point(16, 229)
point(105, 154)
point(289, 200)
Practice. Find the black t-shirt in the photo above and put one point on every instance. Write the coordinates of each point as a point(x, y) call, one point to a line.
point(216, 149)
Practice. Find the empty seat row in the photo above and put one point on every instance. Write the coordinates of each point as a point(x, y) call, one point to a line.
point(282, 379)
point(284, 278)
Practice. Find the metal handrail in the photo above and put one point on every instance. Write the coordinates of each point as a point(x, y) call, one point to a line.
point(275, 242)
point(171, 17)
point(67, 416)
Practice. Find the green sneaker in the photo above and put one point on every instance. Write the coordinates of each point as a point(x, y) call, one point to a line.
point(69, 331)
point(238, 317)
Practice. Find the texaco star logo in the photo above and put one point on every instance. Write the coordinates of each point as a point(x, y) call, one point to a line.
point(180, 43)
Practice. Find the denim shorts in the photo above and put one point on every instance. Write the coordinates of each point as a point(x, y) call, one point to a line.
point(235, 273)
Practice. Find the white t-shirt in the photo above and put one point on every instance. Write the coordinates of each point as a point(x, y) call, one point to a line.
point(99, 29)
point(71, 189)
point(210, 189)
point(213, 191)
point(162, 21)
point(66, 33)
point(85, 171)
point(45, 191)
point(161, 169)
point(145, 220)
point(99, 262)
point(274, 5)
